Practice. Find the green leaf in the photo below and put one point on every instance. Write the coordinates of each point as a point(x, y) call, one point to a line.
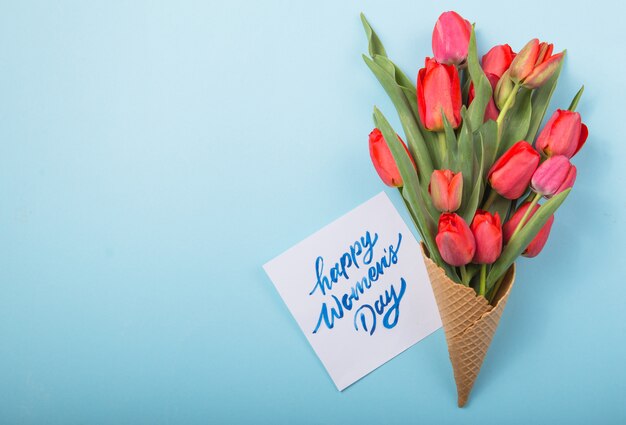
point(482, 87)
point(410, 92)
point(501, 206)
point(375, 47)
point(379, 55)
point(468, 210)
point(518, 244)
point(450, 162)
point(540, 102)
point(408, 89)
point(516, 121)
point(466, 155)
point(574, 104)
point(386, 64)
point(489, 133)
point(410, 190)
point(416, 143)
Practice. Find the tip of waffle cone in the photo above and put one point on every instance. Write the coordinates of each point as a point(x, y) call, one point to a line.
point(462, 400)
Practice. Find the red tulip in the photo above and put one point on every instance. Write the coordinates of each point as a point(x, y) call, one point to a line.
point(383, 159)
point(487, 231)
point(511, 173)
point(446, 190)
point(553, 176)
point(537, 244)
point(534, 64)
point(497, 60)
point(451, 38)
point(563, 134)
point(438, 89)
point(492, 111)
point(455, 240)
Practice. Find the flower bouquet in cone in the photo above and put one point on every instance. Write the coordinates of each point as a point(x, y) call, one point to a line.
point(479, 178)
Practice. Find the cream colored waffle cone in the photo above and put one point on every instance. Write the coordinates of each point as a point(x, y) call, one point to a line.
point(469, 323)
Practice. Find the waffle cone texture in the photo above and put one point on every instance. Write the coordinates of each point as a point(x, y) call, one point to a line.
point(469, 323)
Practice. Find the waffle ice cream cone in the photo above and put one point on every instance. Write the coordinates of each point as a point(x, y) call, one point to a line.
point(469, 323)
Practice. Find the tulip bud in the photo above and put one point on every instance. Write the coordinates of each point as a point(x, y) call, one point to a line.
point(553, 176)
point(534, 64)
point(538, 242)
point(503, 90)
point(511, 173)
point(383, 159)
point(524, 61)
point(563, 134)
point(455, 240)
point(487, 231)
point(497, 60)
point(451, 38)
point(438, 90)
point(446, 190)
point(543, 72)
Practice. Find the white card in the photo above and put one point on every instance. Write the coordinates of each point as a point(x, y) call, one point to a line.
point(359, 290)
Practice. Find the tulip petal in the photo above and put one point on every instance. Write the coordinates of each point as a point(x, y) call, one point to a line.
point(455, 192)
point(543, 72)
point(550, 175)
point(536, 245)
point(511, 173)
point(569, 180)
point(438, 89)
point(497, 60)
point(455, 240)
point(561, 135)
point(487, 232)
point(524, 62)
point(451, 38)
point(584, 133)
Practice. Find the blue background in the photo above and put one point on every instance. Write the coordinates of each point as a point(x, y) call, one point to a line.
point(154, 155)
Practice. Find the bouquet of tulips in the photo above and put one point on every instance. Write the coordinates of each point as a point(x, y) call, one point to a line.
point(478, 177)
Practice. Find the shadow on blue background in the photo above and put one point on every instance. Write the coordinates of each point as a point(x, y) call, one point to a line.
point(154, 155)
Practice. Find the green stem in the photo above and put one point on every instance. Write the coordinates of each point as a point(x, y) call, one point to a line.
point(492, 197)
point(495, 289)
point(510, 101)
point(464, 276)
point(526, 215)
point(443, 150)
point(483, 279)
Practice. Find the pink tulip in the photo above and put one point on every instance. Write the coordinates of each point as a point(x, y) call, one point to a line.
point(511, 173)
point(534, 64)
point(553, 176)
point(383, 159)
point(563, 134)
point(538, 242)
point(455, 240)
point(451, 38)
point(487, 231)
point(497, 60)
point(446, 190)
point(438, 89)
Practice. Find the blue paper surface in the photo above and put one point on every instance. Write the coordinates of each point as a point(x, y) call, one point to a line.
point(153, 155)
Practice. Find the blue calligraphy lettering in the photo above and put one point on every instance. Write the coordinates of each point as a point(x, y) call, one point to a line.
point(387, 305)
